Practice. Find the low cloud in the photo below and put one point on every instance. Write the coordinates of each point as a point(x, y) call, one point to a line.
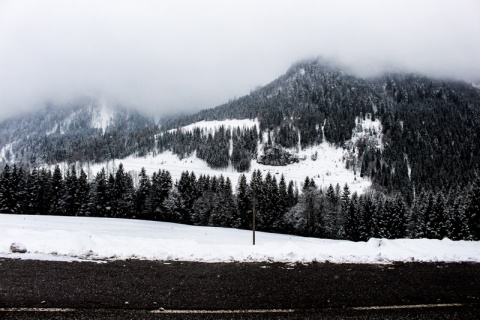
point(179, 56)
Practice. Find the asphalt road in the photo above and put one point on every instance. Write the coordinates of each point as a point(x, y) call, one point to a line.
point(186, 290)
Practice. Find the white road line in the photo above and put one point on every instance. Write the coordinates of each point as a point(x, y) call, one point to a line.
point(37, 310)
point(225, 311)
point(245, 311)
point(411, 306)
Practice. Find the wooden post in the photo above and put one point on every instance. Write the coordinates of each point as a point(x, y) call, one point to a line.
point(253, 214)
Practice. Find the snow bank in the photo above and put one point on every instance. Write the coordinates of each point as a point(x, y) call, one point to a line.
point(70, 238)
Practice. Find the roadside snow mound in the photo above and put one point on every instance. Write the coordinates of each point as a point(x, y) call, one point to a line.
point(17, 248)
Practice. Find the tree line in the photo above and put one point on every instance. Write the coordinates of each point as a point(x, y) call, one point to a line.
point(331, 212)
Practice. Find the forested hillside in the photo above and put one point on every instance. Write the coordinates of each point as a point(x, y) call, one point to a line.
point(82, 131)
point(430, 127)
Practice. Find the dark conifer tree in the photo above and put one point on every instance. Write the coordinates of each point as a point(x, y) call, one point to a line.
point(459, 224)
point(100, 196)
point(33, 189)
point(57, 191)
point(186, 187)
point(44, 192)
point(472, 211)
point(142, 198)
point(71, 192)
point(244, 204)
point(292, 194)
point(84, 202)
point(257, 192)
point(160, 192)
point(428, 212)
point(231, 208)
point(22, 197)
point(282, 204)
point(352, 219)
point(399, 223)
point(7, 202)
point(269, 218)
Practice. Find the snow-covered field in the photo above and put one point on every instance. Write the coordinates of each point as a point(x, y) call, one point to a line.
point(81, 238)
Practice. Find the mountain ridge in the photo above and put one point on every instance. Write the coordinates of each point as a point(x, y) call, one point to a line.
point(429, 128)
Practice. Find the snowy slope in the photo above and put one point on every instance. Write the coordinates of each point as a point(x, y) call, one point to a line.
point(70, 238)
point(102, 116)
point(215, 124)
point(328, 168)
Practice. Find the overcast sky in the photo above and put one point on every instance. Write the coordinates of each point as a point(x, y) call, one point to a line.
point(168, 56)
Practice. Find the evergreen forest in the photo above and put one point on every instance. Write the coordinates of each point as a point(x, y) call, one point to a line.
point(279, 206)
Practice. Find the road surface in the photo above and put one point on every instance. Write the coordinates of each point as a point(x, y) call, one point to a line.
point(190, 290)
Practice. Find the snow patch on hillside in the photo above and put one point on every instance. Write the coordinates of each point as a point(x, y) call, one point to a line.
point(53, 130)
point(211, 126)
point(6, 153)
point(328, 168)
point(73, 238)
point(102, 117)
point(368, 130)
point(324, 163)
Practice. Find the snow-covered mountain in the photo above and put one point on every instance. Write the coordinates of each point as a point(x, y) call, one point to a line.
point(73, 132)
point(411, 141)
point(401, 132)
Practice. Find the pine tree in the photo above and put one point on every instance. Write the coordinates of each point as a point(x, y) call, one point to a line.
point(186, 187)
point(142, 208)
point(7, 204)
point(57, 189)
point(431, 222)
point(292, 195)
point(174, 206)
point(269, 218)
point(203, 208)
point(33, 187)
point(399, 224)
point(282, 204)
point(256, 187)
point(306, 216)
point(227, 209)
point(435, 217)
point(101, 196)
point(160, 190)
point(441, 211)
point(457, 221)
point(380, 218)
point(352, 221)
point(21, 192)
point(84, 202)
point(306, 184)
point(422, 206)
point(244, 204)
point(71, 193)
point(472, 211)
point(44, 199)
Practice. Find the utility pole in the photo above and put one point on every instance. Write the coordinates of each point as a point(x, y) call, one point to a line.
point(253, 212)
